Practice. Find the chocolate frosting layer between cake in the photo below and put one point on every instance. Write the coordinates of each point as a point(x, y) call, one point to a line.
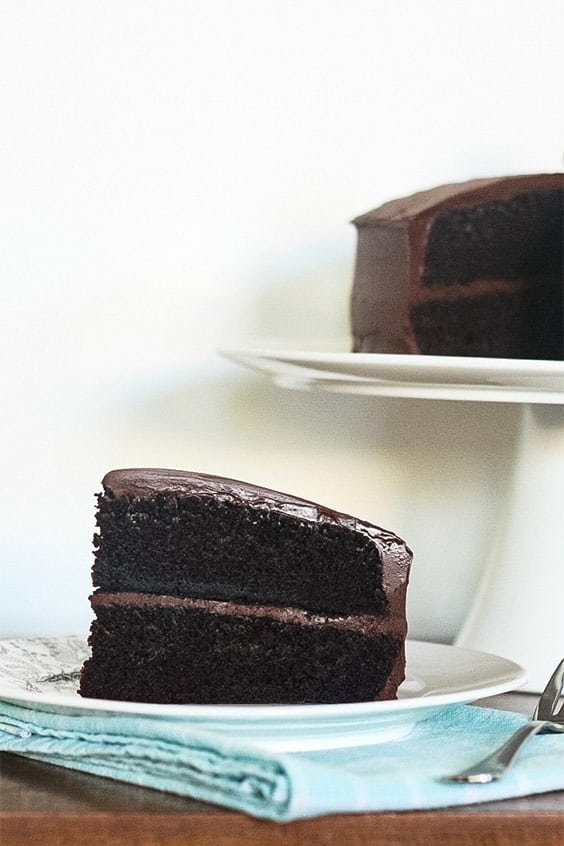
point(364, 623)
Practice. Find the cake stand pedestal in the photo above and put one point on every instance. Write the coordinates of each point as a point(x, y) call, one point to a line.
point(518, 609)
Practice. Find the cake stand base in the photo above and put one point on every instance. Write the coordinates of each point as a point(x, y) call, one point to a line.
point(518, 611)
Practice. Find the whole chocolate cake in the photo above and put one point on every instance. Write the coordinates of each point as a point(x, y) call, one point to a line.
point(210, 590)
point(470, 269)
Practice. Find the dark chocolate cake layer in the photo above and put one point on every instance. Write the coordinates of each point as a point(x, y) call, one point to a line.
point(465, 269)
point(162, 649)
point(186, 534)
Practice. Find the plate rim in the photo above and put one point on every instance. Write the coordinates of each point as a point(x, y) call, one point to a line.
point(434, 377)
point(513, 677)
point(431, 362)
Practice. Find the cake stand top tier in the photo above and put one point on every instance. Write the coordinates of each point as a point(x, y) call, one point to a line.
point(421, 377)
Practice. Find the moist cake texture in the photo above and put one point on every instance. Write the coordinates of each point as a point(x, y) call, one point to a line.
point(212, 590)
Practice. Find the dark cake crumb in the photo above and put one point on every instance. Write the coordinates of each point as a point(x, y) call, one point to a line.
point(518, 238)
point(197, 546)
point(197, 657)
point(493, 325)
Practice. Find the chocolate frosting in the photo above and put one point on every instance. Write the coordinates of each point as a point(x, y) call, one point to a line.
point(443, 198)
point(354, 622)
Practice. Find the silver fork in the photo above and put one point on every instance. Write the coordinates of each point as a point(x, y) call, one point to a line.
point(545, 718)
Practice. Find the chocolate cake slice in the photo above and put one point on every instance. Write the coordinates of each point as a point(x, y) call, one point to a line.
point(210, 590)
point(469, 269)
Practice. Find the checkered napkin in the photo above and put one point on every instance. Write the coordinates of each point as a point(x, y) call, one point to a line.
point(396, 775)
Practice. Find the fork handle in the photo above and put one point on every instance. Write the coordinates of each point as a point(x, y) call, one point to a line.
point(493, 767)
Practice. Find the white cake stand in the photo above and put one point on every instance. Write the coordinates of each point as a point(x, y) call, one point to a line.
point(518, 611)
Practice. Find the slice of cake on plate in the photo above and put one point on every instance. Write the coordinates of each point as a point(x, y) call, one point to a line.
point(211, 590)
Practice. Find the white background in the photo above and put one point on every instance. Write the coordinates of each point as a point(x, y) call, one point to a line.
point(178, 176)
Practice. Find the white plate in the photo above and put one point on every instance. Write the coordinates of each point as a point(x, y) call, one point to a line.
point(43, 673)
point(418, 376)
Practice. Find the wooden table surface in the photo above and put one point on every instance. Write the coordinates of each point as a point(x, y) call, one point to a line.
point(51, 806)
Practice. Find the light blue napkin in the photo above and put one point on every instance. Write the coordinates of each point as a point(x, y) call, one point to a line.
point(397, 775)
